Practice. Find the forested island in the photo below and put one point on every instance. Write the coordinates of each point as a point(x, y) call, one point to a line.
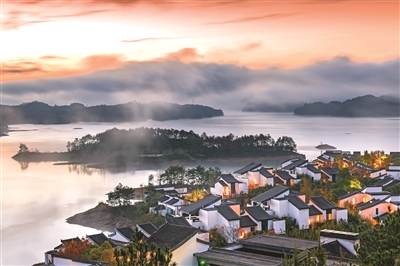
point(119, 147)
point(42, 113)
point(364, 106)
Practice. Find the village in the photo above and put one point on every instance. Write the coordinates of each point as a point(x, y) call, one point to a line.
point(255, 215)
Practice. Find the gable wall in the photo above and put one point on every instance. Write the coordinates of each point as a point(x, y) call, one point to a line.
point(355, 199)
point(184, 254)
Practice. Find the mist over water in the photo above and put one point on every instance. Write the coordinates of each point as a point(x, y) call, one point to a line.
point(38, 197)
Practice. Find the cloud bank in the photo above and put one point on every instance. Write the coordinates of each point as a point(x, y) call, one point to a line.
point(224, 86)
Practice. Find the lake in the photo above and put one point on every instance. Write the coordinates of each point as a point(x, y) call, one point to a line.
point(36, 198)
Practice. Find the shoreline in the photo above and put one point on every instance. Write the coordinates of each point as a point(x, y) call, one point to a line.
point(65, 158)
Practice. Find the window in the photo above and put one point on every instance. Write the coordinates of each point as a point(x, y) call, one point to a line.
point(252, 229)
point(317, 218)
point(329, 216)
point(353, 201)
point(376, 211)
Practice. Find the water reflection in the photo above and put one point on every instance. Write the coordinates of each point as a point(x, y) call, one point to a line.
point(81, 169)
point(24, 165)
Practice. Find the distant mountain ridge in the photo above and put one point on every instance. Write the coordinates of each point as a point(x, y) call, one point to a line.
point(42, 113)
point(363, 106)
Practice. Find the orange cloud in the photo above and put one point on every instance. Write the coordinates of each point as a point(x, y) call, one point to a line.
point(246, 19)
point(49, 67)
point(185, 55)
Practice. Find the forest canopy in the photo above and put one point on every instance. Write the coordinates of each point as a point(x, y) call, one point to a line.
point(120, 145)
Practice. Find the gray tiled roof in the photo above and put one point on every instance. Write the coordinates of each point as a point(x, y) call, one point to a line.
point(148, 227)
point(393, 183)
point(295, 164)
point(247, 168)
point(368, 204)
point(269, 194)
point(330, 171)
point(126, 232)
point(264, 171)
point(227, 212)
point(246, 221)
point(322, 203)
point(314, 211)
point(172, 235)
point(228, 178)
point(178, 221)
point(313, 169)
point(236, 257)
point(349, 194)
point(284, 175)
point(172, 201)
point(163, 198)
point(100, 238)
point(258, 213)
point(224, 184)
point(298, 203)
point(204, 202)
point(278, 242)
point(386, 180)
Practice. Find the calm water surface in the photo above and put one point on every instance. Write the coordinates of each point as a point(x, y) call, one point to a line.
point(36, 198)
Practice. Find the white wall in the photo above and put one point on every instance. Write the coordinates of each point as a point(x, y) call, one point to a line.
point(372, 189)
point(279, 226)
point(315, 176)
point(209, 219)
point(382, 208)
point(340, 214)
point(280, 207)
point(378, 173)
point(355, 199)
point(66, 262)
point(184, 254)
point(217, 189)
point(300, 215)
point(235, 208)
point(270, 181)
point(241, 186)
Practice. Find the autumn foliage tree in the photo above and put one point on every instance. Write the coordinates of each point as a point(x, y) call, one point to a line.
point(74, 249)
point(139, 253)
point(103, 253)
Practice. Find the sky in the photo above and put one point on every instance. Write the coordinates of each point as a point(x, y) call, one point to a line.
point(218, 53)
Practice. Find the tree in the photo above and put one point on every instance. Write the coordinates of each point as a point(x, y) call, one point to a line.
point(103, 253)
point(381, 246)
point(74, 249)
point(121, 196)
point(285, 144)
point(197, 194)
point(139, 253)
point(306, 187)
point(23, 148)
point(216, 239)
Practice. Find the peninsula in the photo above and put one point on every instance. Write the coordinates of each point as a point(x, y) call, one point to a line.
point(363, 106)
point(42, 113)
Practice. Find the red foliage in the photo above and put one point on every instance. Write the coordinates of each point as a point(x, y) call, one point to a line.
point(74, 249)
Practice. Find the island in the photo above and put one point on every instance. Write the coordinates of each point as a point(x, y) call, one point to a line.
point(42, 113)
point(121, 147)
point(363, 106)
